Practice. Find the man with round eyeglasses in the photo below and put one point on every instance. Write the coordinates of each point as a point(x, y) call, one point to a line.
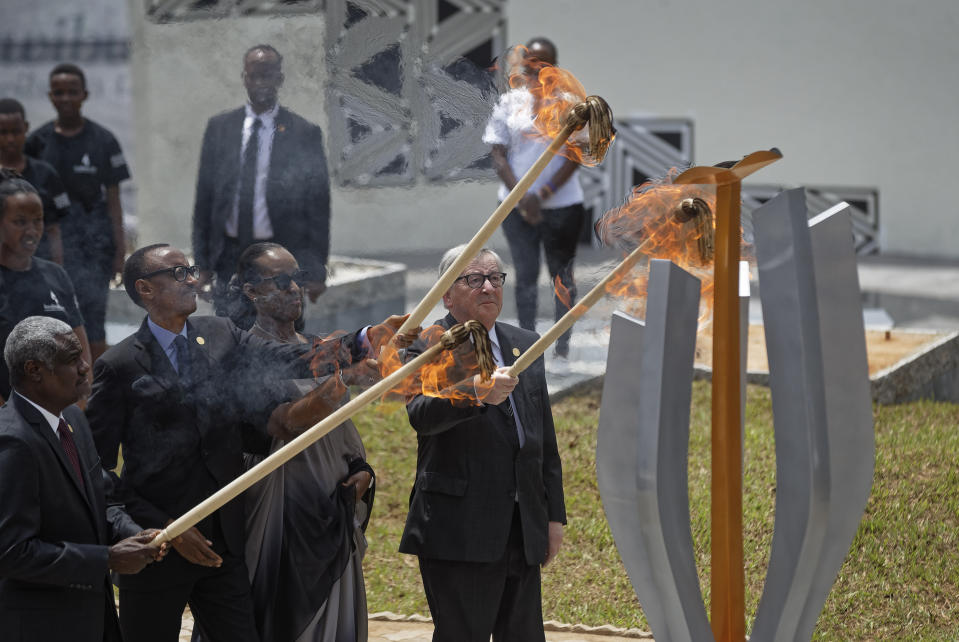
point(476, 280)
point(487, 507)
point(186, 397)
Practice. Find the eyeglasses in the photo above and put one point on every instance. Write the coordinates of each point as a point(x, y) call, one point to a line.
point(283, 281)
point(476, 280)
point(180, 272)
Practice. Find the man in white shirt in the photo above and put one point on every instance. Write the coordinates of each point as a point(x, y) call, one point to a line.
point(551, 213)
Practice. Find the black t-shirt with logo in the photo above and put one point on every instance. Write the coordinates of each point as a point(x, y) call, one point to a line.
point(56, 203)
point(43, 290)
point(87, 163)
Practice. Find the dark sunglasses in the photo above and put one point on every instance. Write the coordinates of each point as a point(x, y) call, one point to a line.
point(283, 281)
point(476, 280)
point(180, 272)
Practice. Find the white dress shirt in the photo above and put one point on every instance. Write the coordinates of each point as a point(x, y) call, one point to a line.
point(51, 418)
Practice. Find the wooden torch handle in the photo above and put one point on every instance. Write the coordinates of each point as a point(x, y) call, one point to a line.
point(418, 315)
point(292, 448)
point(526, 359)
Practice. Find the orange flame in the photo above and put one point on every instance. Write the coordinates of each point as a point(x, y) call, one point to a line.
point(449, 376)
point(647, 218)
point(562, 292)
point(555, 92)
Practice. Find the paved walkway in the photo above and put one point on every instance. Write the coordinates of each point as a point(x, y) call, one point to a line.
point(388, 627)
point(899, 292)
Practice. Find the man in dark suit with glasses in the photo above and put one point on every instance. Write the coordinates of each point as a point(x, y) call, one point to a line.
point(487, 507)
point(185, 397)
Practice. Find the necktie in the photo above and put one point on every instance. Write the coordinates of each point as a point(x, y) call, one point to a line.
point(70, 448)
point(184, 366)
point(507, 405)
point(244, 232)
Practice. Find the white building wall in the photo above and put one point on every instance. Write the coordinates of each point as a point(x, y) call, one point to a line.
point(69, 27)
point(859, 93)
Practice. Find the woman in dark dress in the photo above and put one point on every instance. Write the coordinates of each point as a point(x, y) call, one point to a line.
point(305, 522)
point(29, 286)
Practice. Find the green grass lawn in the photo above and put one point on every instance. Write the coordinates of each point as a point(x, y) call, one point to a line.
point(900, 580)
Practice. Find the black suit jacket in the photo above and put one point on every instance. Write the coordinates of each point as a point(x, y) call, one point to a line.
point(183, 443)
point(297, 192)
point(471, 472)
point(54, 533)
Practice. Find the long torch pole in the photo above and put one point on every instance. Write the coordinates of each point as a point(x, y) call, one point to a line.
point(292, 448)
point(727, 580)
point(526, 359)
point(727, 583)
point(418, 315)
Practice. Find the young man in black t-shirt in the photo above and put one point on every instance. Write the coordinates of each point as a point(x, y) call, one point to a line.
point(91, 164)
point(43, 290)
point(40, 174)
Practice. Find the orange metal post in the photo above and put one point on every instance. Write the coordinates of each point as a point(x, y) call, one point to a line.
point(727, 585)
point(727, 590)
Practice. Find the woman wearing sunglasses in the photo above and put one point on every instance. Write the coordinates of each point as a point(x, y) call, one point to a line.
point(305, 524)
point(29, 286)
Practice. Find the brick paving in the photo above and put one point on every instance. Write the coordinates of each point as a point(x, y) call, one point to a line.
point(387, 627)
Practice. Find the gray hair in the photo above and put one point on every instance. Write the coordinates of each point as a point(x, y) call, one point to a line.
point(33, 339)
point(454, 253)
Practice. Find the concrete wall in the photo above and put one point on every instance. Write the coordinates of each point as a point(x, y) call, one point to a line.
point(185, 72)
point(92, 33)
point(859, 93)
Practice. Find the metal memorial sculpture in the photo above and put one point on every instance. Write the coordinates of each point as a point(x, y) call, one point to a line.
point(822, 414)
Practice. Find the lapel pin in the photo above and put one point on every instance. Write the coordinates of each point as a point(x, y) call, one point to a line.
point(515, 352)
point(200, 340)
point(280, 128)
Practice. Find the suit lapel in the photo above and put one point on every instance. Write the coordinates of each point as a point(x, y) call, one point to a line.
point(231, 152)
point(511, 351)
point(152, 359)
point(203, 365)
point(199, 357)
point(33, 417)
point(91, 466)
point(505, 345)
point(274, 180)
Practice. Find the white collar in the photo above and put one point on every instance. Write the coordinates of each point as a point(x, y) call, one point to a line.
point(266, 118)
point(51, 418)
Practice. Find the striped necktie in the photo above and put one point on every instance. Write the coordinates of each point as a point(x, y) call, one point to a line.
point(70, 448)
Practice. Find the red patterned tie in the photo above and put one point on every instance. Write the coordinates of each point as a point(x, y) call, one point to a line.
point(70, 448)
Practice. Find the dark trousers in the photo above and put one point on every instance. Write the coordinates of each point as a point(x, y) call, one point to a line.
point(219, 599)
point(558, 233)
point(471, 600)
